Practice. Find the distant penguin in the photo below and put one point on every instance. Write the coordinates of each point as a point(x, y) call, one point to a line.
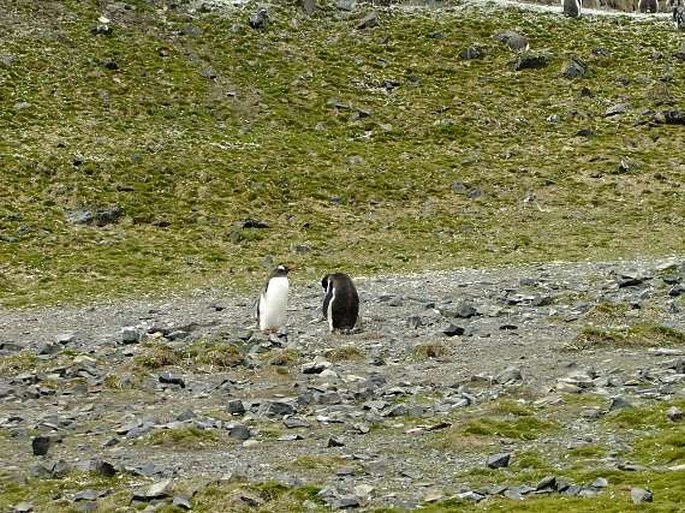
point(678, 13)
point(340, 302)
point(646, 6)
point(571, 8)
point(273, 301)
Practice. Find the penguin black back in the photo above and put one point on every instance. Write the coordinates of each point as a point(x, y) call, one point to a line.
point(571, 8)
point(340, 302)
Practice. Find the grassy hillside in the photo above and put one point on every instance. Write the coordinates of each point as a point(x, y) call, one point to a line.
point(369, 150)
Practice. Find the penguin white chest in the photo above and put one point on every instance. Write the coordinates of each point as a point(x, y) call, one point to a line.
point(273, 303)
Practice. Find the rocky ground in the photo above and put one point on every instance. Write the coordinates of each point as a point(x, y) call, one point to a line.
point(446, 375)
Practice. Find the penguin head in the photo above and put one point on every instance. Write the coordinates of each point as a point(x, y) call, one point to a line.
point(325, 281)
point(281, 270)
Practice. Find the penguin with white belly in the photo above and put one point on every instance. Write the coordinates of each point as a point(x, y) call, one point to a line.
point(340, 302)
point(273, 301)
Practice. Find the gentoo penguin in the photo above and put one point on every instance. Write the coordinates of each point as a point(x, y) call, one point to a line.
point(678, 13)
point(340, 302)
point(571, 8)
point(647, 6)
point(273, 301)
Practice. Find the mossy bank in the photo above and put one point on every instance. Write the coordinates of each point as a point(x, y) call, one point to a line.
point(172, 148)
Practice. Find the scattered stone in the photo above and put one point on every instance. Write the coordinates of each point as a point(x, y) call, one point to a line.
point(168, 378)
point(130, 335)
point(547, 483)
point(530, 61)
point(317, 366)
point(574, 68)
point(674, 414)
point(471, 53)
point(335, 442)
point(103, 468)
point(308, 6)
point(453, 330)
point(641, 495)
point(619, 403)
point(40, 445)
point(295, 422)
point(370, 20)
point(235, 407)
point(86, 495)
point(278, 409)
point(500, 460)
point(670, 117)
point(614, 110)
point(158, 490)
point(414, 321)
point(346, 5)
point(23, 507)
point(239, 432)
point(509, 375)
point(182, 502)
point(600, 482)
point(513, 40)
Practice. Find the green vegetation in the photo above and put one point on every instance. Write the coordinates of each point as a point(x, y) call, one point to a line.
point(55, 494)
point(155, 355)
point(16, 363)
point(182, 438)
point(636, 335)
point(344, 353)
point(370, 150)
point(520, 428)
point(426, 350)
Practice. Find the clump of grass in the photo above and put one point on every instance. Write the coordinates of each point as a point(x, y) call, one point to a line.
point(344, 353)
point(156, 355)
point(52, 494)
point(519, 428)
point(428, 350)
point(17, 363)
point(221, 355)
point(642, 418)
point(588, 451)
point(667, 447)
point(181, 438)
point(508, 406)
point(268, 496)
point(282, 357)
point(637, 335)
point(318, 462)
point(608, 312)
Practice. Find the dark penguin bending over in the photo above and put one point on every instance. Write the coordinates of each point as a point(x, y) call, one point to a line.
point(678, 13)
point(571, 8)
point(340, 302)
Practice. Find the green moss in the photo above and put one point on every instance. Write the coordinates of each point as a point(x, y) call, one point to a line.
point(181, 438)
point(511, 407)
point(156, 355)
point(667, 447)
point(521, 428)
point(266, 497)
point(344, 353)
point(218, 355)
point(637, 335)
point(299, 128)
point(54, 494)
point(434, 349)
point(17, 363)
point(588, 451)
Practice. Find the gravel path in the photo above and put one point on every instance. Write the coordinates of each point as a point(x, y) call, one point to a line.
point(429, 349)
